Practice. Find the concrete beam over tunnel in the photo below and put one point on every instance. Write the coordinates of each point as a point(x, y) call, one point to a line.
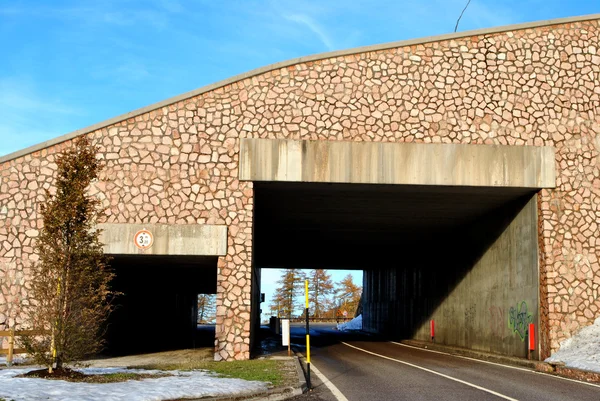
point(397, 163)
point(160, 283)
point(192, 239)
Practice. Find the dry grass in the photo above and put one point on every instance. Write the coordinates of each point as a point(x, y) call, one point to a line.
point(278, 373)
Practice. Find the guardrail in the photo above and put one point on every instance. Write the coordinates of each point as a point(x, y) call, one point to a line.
point(11, 334)
point(320, 319)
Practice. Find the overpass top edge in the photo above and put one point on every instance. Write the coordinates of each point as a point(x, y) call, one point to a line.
point(404, 144)
point(288, 63)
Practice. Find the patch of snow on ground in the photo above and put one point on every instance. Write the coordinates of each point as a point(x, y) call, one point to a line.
point(18, 359)
point(581, 351)
point(192, 384)
point(354, 324)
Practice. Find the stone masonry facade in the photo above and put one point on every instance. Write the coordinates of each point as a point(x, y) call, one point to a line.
point(178, 163)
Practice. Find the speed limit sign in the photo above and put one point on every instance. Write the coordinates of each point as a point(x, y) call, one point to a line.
point(143, 239)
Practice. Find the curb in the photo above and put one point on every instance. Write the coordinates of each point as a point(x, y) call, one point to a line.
point(557, 369)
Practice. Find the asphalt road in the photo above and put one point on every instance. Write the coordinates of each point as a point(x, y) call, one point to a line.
point(363, 368)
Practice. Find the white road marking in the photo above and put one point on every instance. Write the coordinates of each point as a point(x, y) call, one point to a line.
point(334, 390)
point(435, 373)
point(499, 364)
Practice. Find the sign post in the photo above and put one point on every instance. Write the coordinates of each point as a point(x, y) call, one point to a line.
point(307, 338)
point(285, 334)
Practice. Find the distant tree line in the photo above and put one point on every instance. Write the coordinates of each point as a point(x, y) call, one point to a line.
point(326, 299)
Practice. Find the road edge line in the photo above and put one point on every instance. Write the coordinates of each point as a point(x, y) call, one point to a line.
point(334, 390)
point(435, 373)
point(465, 357)
point(535, 372)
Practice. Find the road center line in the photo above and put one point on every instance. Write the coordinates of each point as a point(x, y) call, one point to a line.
point(434, 372)
point(334, 390)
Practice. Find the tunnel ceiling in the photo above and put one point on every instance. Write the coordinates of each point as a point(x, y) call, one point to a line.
point(345, 225)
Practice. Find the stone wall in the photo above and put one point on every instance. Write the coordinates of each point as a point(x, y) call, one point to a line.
point(178, 163)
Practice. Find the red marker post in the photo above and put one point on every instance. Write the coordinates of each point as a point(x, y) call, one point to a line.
point(531, 335)
point(432, 329)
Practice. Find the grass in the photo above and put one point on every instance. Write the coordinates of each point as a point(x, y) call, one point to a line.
point(278, 373)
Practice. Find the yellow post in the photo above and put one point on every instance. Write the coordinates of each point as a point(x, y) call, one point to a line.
point(11, 346)
point(307, 337)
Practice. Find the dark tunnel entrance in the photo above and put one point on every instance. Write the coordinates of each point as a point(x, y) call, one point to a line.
point(465, 257)
point(157, 309)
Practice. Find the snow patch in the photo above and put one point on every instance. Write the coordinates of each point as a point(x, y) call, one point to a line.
point(18, 359)
point(354, 324)
point(192, 384)
point(581, 351)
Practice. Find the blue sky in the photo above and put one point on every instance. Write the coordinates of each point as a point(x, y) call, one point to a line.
point(67, 64)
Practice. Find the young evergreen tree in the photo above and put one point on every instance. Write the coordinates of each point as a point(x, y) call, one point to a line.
point(70, 281)
point(291, 285)
point(320, 287)
point(348, 295)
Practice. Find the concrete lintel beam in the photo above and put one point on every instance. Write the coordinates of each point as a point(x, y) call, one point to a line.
point(397, 163)
point(192, 239)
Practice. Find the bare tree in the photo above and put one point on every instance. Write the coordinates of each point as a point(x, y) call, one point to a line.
point(320, 287)
point(348, 295)
point(275, 304)
point(207, 308)
point(70, 281)
point(291, 285)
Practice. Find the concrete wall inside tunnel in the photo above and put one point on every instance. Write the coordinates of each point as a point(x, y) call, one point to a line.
point(481, 290)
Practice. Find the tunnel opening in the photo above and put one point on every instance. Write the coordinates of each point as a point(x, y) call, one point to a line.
point(157, 306)
point(335, 300)
point(465, 257)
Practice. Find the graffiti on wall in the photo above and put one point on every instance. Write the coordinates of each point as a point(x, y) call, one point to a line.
point(519, 319)
point(470, 315)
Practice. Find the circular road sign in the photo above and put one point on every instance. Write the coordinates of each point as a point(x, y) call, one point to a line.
point(143, 239)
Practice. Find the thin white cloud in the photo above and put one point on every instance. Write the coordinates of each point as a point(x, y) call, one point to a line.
point(172, 6)
point(27, 118)
point(129, 71)
point(17, 95)
point(314, 27)
point(482, 15)
point(103, 14)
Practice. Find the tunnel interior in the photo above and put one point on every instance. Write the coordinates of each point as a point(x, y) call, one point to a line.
point(465, 257)
point(156, 308)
